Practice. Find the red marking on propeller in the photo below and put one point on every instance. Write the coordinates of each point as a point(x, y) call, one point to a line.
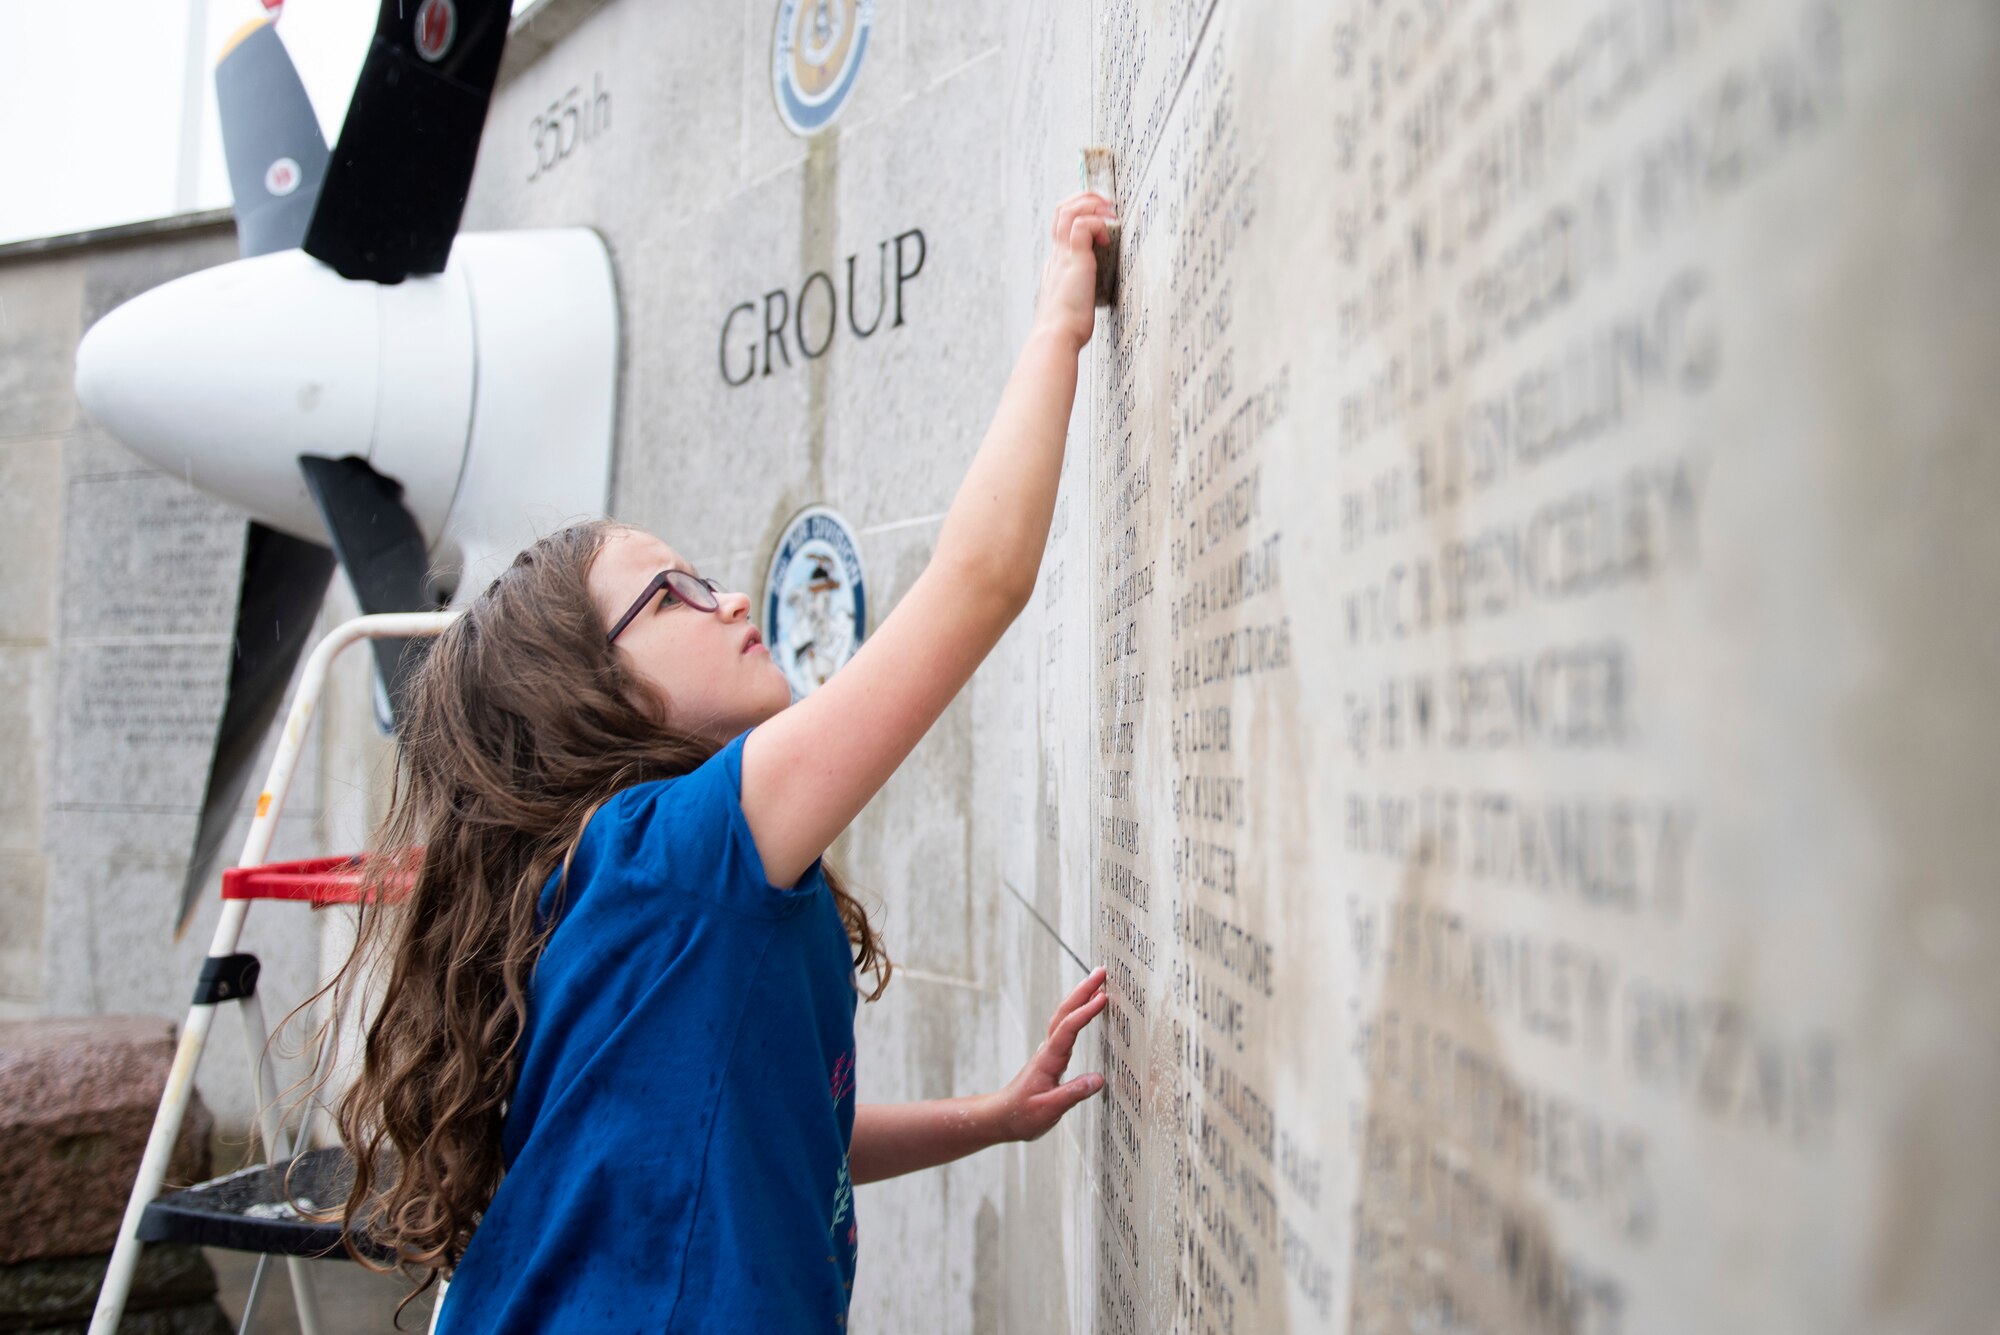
point(436, 25)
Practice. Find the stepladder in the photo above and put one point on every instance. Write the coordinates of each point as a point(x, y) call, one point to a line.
point(251, 1210)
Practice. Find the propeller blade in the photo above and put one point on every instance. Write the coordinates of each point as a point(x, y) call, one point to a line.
point(396, 184)
point(382, 550)
point(270, 138)
point(284, 581)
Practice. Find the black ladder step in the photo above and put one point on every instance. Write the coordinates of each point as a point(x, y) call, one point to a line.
point(257, 1209)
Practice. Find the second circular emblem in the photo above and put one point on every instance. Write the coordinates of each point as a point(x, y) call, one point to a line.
point(815, 599)
point(815, 54)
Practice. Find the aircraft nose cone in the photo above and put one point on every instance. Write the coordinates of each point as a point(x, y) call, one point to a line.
point(226, 376)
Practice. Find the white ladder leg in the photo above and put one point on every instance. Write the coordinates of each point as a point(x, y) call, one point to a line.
point(152, 1170)
point(166, 1130)
point(305, 1291)
point(254, 1296)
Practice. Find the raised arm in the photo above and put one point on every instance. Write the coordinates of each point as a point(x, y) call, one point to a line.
point(808, 771)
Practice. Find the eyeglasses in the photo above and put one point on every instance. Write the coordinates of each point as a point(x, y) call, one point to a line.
point(688, 587)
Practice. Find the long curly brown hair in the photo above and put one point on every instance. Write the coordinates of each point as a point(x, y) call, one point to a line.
point(520, 724)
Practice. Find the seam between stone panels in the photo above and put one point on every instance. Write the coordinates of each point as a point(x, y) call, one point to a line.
point(943, 979)
point(144, 641)
point(143, 808)
point(721, 560)
point(120, 861)
point(56, 756)
point(722, 205)
point(292, 814)
point(961, 67)
point(896, 524)
point(1094, 28)
point(122, 475)
point(1180, 85)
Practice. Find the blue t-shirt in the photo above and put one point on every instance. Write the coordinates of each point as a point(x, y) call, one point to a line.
point(676, 1145)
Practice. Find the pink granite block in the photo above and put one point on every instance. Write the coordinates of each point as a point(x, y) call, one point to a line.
point(77, 1098)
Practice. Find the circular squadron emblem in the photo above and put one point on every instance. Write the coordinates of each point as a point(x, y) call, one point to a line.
point(815, 602)
point(815, 55)
point(282, 177)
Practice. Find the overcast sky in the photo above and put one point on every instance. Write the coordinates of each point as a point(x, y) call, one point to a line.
point(92, 93)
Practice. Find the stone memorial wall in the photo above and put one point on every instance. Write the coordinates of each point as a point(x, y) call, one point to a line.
point(1507, 694)
point(1503, 695)
point(1475, 706)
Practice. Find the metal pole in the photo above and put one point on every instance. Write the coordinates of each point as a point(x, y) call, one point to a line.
point(194, 86)
point(384, 626)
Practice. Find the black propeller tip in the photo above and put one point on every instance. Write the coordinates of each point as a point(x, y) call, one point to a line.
point(397, 181)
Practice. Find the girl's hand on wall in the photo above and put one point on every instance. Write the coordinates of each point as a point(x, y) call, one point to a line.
point(1037, 1098)
point(1067, 304)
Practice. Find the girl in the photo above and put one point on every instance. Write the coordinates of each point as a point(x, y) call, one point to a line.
point(610, 1085)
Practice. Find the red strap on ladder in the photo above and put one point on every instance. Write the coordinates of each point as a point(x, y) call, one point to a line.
point(315, 881)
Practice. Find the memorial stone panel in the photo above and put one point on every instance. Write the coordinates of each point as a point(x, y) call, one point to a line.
point(150, 569)
point(1493, 608)
point(1209, 1163)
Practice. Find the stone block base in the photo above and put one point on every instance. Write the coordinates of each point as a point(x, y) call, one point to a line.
point(173, 1293)
point(77, 1098)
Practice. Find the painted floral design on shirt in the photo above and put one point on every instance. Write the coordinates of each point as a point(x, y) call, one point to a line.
point(843, 1204)
point(843, 1187)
